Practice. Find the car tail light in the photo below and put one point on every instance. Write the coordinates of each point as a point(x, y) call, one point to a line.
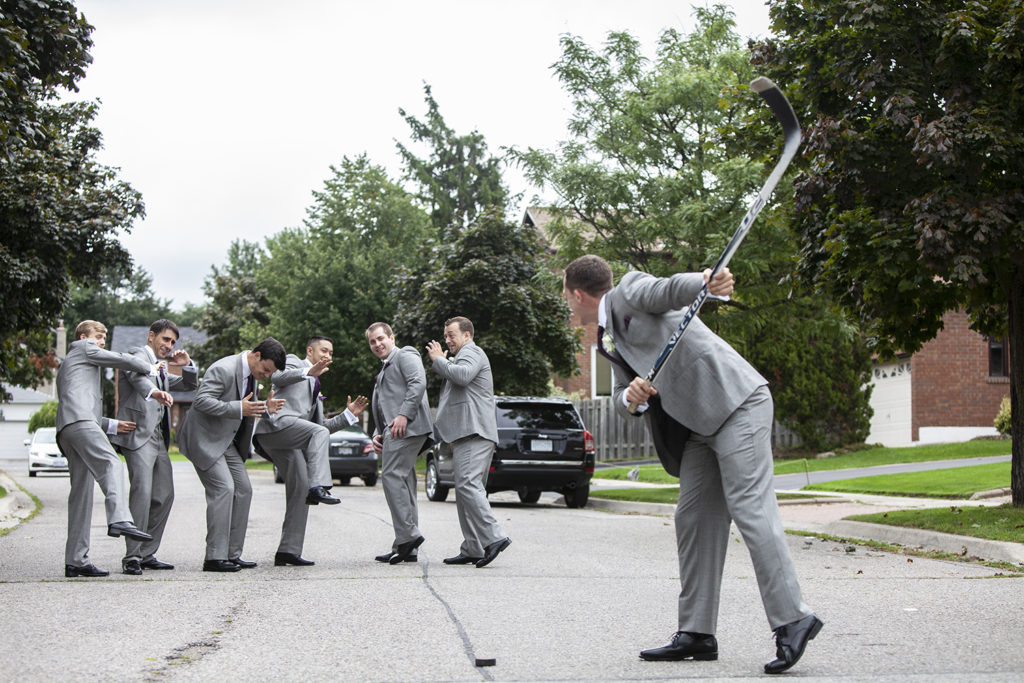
point(368, 448)
point(588, 449)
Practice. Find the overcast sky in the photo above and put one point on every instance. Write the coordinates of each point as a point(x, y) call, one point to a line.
point(227, 114)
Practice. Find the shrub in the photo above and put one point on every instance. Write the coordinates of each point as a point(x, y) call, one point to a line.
point(1002, 421)
point(46, 416)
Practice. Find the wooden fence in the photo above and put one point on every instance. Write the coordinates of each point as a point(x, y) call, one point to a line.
point(620, 438)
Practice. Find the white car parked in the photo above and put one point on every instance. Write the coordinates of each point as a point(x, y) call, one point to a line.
point(43, 453)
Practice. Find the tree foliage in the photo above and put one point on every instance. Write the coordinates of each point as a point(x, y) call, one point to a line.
point(494, 273)
point(117, 300)
point(333, 276)
point(666, 156)
point(911, 203)
point(458, 179)
point(46, 416)
point(61, 210)
point(235, 317)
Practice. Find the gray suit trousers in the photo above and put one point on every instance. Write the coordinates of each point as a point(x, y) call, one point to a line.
point(91, 458)
point(728, 475)
point(292, 466)
point(471, 459)
point(398, 477)
point(151, 496)
point(313, 440)
point(228, 496)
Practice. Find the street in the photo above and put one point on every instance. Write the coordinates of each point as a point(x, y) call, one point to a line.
point(575, 597)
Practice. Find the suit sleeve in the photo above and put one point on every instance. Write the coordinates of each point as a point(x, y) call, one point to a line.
point(188, 380)
point(463, 370)
point(141, 382)
point(657, 295)
point(113, 359)
point(215, 383)
point(416, 383)
point(293, 372)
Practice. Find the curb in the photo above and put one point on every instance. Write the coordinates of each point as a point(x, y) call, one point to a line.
point(15, 506)
point(966, 546)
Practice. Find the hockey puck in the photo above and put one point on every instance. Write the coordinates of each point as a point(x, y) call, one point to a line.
point(480, 661)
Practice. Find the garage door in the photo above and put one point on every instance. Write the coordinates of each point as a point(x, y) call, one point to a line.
point(890, 399)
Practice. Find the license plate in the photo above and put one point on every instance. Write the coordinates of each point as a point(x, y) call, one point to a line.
point(345, 450)
point(541, 446)
point(61, 462)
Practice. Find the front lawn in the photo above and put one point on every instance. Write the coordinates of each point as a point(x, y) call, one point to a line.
point(956, 482)
point(1000, 523)
point(660, 495)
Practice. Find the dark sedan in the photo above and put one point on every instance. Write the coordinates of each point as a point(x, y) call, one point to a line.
point(542, 446)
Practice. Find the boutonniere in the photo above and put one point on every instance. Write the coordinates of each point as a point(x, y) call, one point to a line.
point(321, 397)
point(608, 342)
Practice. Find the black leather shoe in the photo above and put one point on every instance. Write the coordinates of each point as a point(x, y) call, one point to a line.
point(282, 559)
point(491, 552)
point(318, 494)
point(153, 563)
point(700, 647)
point(386, 557)
point(404, 550)
point(243, 564)
point(131, 567)
point(790, 641)
point(127, 529)
point(461, 558)
point(220, 566)
point(72, 571)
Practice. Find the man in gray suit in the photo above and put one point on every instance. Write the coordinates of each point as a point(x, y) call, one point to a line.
point(711, 422)
point(466, 419)
point(297, 440)
point(82, 438)
point(402, 425)
point(145, 448)
point(216, 435)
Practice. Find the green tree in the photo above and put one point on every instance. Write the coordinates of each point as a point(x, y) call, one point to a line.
point(458, 179)
point(665, 157)
point(46, 416)
point(117, 300)
point(496, 274)
point(236, 314)
point(332, 277)
point(911, 203)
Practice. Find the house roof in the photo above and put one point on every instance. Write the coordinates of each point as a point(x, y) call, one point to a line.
point(124, 338)
point(22, 395)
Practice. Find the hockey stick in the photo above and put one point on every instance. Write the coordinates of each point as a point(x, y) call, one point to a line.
point(782, 110)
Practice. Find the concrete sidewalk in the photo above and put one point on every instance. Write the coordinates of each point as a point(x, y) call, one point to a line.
point(825, 515)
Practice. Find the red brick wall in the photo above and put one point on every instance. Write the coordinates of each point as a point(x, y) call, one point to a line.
point(950, 385)
point(580, 382)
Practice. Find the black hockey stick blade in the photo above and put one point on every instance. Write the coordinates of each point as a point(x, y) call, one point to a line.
point(783, 112)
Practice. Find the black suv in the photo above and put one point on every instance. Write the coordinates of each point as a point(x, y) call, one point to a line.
point(542, 446)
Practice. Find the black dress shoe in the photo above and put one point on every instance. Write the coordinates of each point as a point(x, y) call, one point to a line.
point(404, 550)
point(127, 529)
point(153, 563)
point(282, 559)
point(491, 552)
point(72, 571)
point(318, 494)
point(684, 645)
point(386, 557)
point(131, 567)
point(243, 564)
point(790, 641)
point(220, 566)
point(461, 558)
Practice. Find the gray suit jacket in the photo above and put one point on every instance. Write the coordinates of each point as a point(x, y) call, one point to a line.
point(216, 413)
point(704, 380)
point(78, 381)
point(401, 389)
point(296, 388)
point(132, 389)
point(466, 406)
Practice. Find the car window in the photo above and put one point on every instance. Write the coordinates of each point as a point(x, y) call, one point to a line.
point(45, 436)
point(537, 416)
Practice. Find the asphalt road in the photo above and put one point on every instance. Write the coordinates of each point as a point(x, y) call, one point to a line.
point(574, 598)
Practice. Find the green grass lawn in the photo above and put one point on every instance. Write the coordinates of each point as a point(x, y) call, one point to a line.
point(3, 492)
point(1001, 523)
point(659, 495)
point(256, 463)
point(869, 457)
point(957, 482)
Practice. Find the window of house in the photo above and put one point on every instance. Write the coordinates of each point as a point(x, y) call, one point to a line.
point(998, 358)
